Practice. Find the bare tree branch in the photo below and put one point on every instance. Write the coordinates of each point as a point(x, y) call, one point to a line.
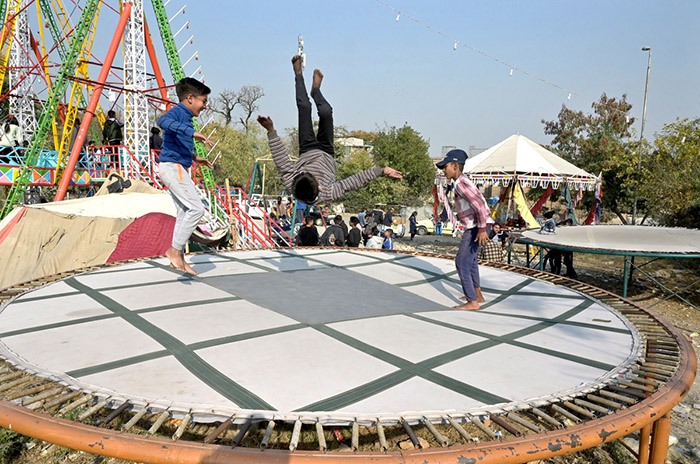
point(224, 104)
point(248, 98)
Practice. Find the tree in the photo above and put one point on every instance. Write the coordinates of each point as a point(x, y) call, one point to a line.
point(403, 149)
point(224, 104)
point(600, 142)
point(248, 98)
point(671, 186)
point(238, 154)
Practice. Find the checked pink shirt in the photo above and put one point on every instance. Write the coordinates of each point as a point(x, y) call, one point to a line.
point(470, 205)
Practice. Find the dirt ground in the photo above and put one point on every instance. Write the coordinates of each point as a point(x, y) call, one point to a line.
point(601, 271)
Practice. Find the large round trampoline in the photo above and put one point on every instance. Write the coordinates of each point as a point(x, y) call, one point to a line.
point(326, 338)
point(322, 335)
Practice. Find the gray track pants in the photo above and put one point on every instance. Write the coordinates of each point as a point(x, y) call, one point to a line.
point(187, 202)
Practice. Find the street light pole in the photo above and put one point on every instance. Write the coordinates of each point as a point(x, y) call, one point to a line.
point(641, 137)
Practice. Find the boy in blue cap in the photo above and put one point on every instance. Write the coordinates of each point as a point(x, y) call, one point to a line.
point(176, 157)
point(473, 212)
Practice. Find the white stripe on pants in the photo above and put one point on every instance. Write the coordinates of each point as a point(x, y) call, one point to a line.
point(187, 202)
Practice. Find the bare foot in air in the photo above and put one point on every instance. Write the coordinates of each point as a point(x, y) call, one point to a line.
point(296, 64)
point(177, 260)
point(318, 78)
point(469, 306)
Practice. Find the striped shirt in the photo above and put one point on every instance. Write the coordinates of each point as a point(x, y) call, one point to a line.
point(470, 205)
point(322, 166)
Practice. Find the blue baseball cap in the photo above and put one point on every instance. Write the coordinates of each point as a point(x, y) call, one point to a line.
point(458, 155)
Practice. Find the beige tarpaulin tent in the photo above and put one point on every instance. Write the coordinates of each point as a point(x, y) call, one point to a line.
point(44, 239)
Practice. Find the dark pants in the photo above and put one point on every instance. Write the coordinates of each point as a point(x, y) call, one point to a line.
point(307, 139)
point(467, 264)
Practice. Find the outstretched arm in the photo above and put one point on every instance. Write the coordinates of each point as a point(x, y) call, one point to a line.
point(356, 181)
point(280, 155)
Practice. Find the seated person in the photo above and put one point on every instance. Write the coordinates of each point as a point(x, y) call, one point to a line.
point(308, 234)
point(374, 240)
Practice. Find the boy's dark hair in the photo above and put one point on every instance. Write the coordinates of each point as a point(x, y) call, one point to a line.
point(461, 167)
point(155, 130)
point(354, 221)
point(549, 214)
point(309, 221)
point(305, 188)
point(338, 219)
point(111, 114)
point(375, 231)
point(190, 86)
point(391, 231)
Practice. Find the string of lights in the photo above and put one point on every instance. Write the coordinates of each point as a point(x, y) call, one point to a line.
point(513, 68)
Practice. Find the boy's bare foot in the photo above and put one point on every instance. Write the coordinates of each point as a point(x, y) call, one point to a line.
point(479, 295)
point(296, 64)
point(188, 269)
point(177, 260)
point(469, 306)
point(318, 78)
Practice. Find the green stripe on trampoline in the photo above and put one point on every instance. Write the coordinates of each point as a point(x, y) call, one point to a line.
point(189, 360)
point(22, 299)
point(410, 370)
point(192, 346)
point(511, 339)
point(369, 389)
point(100, 317)
point(585, 325)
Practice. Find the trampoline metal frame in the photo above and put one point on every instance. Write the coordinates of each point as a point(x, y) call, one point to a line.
point(650, 415)
point(628, 267)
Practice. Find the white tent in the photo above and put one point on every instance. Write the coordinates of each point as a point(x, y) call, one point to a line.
point(518, 157)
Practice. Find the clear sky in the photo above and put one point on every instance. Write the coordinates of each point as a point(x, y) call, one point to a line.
point(382, 72)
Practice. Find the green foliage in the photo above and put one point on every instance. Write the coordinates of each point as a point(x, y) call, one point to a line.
point(400, 148)
point(11, 445)
point(671, 174)
point(600, 142)
point(238, 153)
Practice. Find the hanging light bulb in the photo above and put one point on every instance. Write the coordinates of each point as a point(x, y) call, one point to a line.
point(454, 47)
point(683, 141)
point(397, 17)
point(627, 119)
point(569, 97)
point(511, 72)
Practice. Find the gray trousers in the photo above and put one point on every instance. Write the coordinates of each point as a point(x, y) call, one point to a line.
point(187, 202)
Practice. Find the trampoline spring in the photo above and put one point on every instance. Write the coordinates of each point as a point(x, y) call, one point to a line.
point(241, 432)
point(17, 383)
point(659, 368)
point(411, 434)
point(93, 410)
point(592, 406)
point(10, 376)
point(653, 373)
point(524, 422)
point(643, 380)
point(663, 362)
point(182, 427)
point(579, 410)
point(61, 399)
point(480, 425)
point(636, 386)
point(321, 437)
point(382, 436)
point(218, 431)
point(627, 391)
point(657, 355)
point(165, 415)
point(134, 420)
point(74, 405)
point(603, 401)
point(37, 401)
point(438, 436)
point(114, 414)
point(547, 418)
point(622, 398)
point(663, 349)
point(565, 413)
point(458, 427)
point(268, 434)
point(296, 433)
point(355, 439)
point(31, 391)
point(505, 425)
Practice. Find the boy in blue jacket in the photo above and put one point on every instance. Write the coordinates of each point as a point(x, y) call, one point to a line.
point(176, 157)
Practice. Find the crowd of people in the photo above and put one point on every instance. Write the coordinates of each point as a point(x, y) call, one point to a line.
point(339, 234)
